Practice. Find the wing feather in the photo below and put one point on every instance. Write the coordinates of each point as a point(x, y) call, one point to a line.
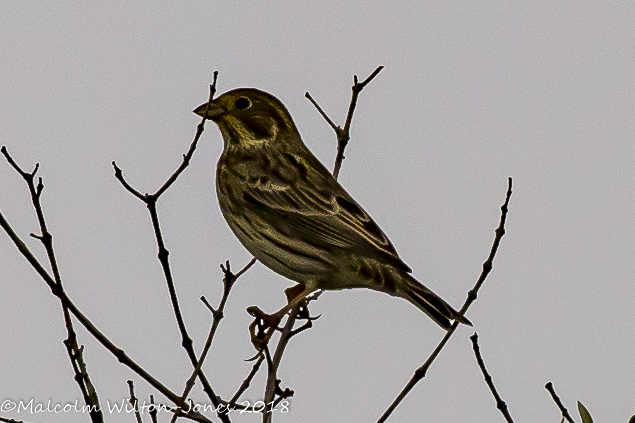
point(320, 211)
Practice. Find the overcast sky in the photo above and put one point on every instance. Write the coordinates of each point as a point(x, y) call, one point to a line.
point(471, 93)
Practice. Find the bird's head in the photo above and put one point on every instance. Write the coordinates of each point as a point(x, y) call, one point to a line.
point(248, 118)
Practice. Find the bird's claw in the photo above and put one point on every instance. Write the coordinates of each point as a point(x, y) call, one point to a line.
point(263, 326)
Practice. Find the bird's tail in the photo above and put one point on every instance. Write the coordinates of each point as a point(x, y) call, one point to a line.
point(429, 302)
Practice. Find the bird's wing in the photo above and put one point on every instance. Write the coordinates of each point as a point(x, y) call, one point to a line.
point(316, 207)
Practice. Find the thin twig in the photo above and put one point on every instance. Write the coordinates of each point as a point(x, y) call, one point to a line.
point(134, 401)
point(76, 354)
point(151, 200)
point(153, 410)
point(307, 325)
point(74, 351)
point(247, 381)
point(300, 311)
point(272, 379)
point(58, 291)
point(420, 373)
point(228, 281)
point(556, 399)
point(343, 135)
point(500, 404)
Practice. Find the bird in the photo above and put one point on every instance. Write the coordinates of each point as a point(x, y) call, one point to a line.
point(290, 213)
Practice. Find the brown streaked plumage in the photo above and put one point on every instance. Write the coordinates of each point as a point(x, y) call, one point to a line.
point(288, 210)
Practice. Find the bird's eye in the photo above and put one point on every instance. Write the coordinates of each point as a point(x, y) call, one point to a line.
point(242, 103)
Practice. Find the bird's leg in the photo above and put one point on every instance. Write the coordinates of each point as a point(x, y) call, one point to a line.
point(264, 325)
point(297, 295)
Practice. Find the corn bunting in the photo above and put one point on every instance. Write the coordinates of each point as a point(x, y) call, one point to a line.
point(288, 210)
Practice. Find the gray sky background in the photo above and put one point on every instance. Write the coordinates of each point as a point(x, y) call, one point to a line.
point(472, 93)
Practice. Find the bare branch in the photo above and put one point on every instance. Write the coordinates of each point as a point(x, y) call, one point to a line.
point(556, 399)
point(500, 404)
point(247, 381)
point(229, 279)
point(343, 135)
point(323, 113)
point(134, 401)
point(300, 311)
point(151, 200)
point(153, 410)
point(272, 379)
point(75, 353)
point(92, 329)
point(420, 373)
point(5, 420)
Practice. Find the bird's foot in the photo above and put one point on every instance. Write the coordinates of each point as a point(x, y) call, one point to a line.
point(263, 326)
point(296, 298)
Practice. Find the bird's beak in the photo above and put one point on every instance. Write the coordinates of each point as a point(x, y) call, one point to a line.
point(210, 111)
